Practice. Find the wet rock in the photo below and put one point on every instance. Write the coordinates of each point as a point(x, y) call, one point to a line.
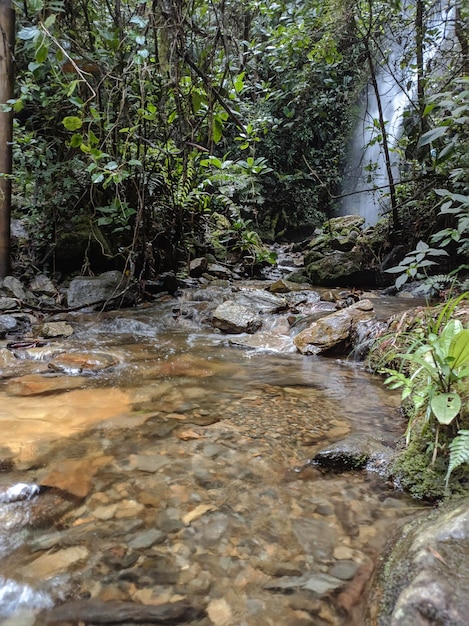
point(316, 537)
point(345, 570)
point(318, 582)
point(277, 569)
point(146, 538)
point(7, 324)
point(427, 572)
point(56, 329)
point(231, 317)
point(166, 282)
point(283, 285)
point(82, 362)
point(354, 452)
point(90, 290)
point(7, 304)
point(36, 384)
point(73, 475)
point(13, 287)
point(220, 613)
point(260, 301)
point(333, 330)
point(48, 565)
point(197, 267)
point(218, 271)
point(99, 612)
point(41, 284)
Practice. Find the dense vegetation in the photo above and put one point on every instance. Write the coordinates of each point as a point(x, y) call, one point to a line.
point(147, 132)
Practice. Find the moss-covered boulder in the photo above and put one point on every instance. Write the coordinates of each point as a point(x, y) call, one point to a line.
point(424, 580)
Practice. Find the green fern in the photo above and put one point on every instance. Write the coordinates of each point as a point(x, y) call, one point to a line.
point(459, 452)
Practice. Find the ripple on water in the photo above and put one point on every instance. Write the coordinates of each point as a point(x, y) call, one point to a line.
point(16, 597)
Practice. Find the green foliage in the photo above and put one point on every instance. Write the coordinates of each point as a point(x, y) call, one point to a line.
point(459, 452)
point(434, 379)
point(411, 265)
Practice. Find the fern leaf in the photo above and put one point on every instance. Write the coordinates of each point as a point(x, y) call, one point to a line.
point(459, 452)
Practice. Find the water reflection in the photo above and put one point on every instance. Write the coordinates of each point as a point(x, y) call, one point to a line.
point(173, 474)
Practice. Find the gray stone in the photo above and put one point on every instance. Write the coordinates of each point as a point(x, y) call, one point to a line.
point(14, 287)
point(146, 539)
point(41, 284)
point(56, 329)
point(345, 570)
point(9, 303)
point(354, 452)
point(425, 578)
point(235, 318)
point(7, 323)
point(197, 267)
point(260, 301)
point(87, 290)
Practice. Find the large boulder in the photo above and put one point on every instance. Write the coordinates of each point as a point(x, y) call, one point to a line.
point(424, 580)
point(337, 268)
point(95, 290)
point(334, 330)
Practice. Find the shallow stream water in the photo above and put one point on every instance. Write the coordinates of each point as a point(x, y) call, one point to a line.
point(173, 466)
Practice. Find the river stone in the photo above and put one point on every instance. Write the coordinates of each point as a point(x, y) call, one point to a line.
point(56, 329)
point(197, 267)
point(336, 268)
point(146, 538)
point(260, 301)
point(7, 304)
point(235, 318)
point(35, 384)
point(114, 612)
point(41, 284)
point(13, 287)
point(82, 362)
point(333, 330)
point(283, 285)
point(87, 290)
point(7, 324)
point(425, 578)
point(48, 565)
point(354, 452)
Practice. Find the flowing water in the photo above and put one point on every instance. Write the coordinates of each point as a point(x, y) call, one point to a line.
point(365, 186)
point(162, 463)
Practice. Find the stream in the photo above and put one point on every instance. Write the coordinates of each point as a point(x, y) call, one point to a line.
point(145, 459)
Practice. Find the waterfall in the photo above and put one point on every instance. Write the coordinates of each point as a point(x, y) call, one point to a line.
point(365, 184)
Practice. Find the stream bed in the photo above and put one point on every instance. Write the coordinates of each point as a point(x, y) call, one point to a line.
point(146, 460)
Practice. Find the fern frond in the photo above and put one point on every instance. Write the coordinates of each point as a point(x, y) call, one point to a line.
point(459, 452)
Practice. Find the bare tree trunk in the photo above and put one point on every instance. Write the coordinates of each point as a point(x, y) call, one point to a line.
point(7, 38)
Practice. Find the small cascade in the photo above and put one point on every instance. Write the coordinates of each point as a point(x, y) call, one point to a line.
point(365, 185)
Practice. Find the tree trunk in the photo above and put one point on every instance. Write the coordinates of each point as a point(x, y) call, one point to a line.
point(7, 38)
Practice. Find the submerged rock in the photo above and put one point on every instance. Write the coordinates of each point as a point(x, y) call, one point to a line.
point(354, 452)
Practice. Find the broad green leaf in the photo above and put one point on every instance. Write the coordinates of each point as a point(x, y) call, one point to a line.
point(459, 349)
point(72, 123)
point(446, 406)
point(41, 53)
point(76, 140)
point(432, 135)
point(29, 32)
